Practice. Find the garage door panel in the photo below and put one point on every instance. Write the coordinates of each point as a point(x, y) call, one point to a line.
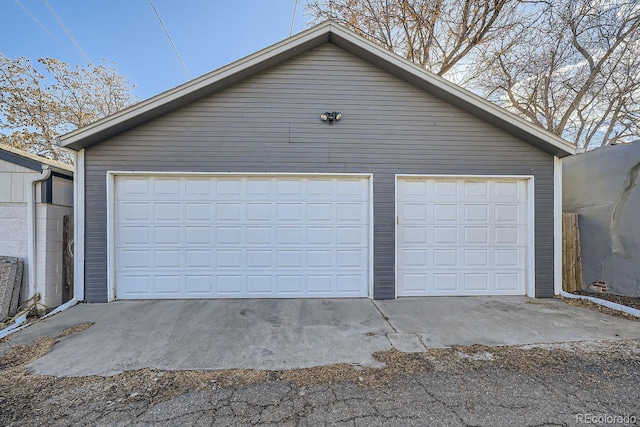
point(461, 236)
point(228, 188)
point(508, 258)
point(320, 284)
point(445, 258)
point(509, 190)
point(476, 236)
point(414, 235)
point(135, 211)
point(259, 235)
point(259, 284)
point(241, 236)
point(289, 236)
point(198, 259)
point(165, 259)
point(137, 285)
point(195, 284)
point(444, 283)
point(132, 259)
point(509, 236)
point(351, 236)
point(445, 235)
point(508, 282)
point(320, 235)
point(133, 187)
point(198, 212)
point(228, 235)
point(199, 188)
point(230, 284)
point(414, 283)
point(321, 259)
point(167, 186)
point(167, 285)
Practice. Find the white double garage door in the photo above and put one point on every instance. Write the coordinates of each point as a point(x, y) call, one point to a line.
point(295, 236)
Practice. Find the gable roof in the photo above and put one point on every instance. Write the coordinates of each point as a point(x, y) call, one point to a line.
point(32, 161)
point(327, 32)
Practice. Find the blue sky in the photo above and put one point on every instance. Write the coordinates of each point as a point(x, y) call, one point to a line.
point(207, 33)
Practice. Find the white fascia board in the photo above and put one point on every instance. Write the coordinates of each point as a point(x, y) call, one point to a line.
point(446, 86)
point(557, 226)
point(199, 84)
point(326, 32)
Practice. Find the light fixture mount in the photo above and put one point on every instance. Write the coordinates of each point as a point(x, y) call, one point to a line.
point(331, 116)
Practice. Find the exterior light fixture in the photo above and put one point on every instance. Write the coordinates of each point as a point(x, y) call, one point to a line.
point(330, 117)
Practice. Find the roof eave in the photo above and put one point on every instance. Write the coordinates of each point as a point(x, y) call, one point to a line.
point(461, 98)
point(32, 161)
point(196, 88)
point(307, 40)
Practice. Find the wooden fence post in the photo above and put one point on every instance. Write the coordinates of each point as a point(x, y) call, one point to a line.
point(67, 258)
point(571, 255)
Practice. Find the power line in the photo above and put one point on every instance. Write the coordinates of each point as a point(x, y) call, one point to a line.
point(66, 30)
point(40, 24)
point(170, 40)
point(293, 18)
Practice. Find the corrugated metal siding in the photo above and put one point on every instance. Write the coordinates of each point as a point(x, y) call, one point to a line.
point(270, 123)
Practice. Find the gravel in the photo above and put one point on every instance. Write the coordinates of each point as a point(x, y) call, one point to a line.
point(633, 302)
point(601, 308)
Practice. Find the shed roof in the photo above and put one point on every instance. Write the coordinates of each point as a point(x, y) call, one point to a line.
point(32, 161)
point(327, 32)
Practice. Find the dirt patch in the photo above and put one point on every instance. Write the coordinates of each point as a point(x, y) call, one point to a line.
point(632, 302)
point(75, 329)
point(22, 354)
point(397, 363)
point(601, 308)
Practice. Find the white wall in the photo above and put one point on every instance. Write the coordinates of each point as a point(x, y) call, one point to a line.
point(14, 180)
point(13, 214)
point(62, 191)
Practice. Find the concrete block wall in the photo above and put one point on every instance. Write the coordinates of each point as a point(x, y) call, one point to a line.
point(13, 235)
point(13, 214)
point(14, 180)
point(50, 249)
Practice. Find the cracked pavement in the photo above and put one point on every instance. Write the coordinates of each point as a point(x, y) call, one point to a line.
point(473, 393)
point(457, 362)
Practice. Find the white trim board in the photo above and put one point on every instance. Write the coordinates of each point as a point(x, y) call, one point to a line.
point(557, 226)
point(327, 32)
point(78, 226)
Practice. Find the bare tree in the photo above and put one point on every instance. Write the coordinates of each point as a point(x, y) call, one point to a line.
point(435, 34)
point(575, 72)
point(33, 113)
point(569, 66)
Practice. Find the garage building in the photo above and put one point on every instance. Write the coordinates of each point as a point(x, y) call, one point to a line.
point(323, 166)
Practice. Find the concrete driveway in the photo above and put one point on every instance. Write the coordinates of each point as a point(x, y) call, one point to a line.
point(287, 334)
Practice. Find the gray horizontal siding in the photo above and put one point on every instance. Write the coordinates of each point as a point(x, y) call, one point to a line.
point(270, 123)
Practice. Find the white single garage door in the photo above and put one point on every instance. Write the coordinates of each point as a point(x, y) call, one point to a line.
point(461, 236)
point(197, 236)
